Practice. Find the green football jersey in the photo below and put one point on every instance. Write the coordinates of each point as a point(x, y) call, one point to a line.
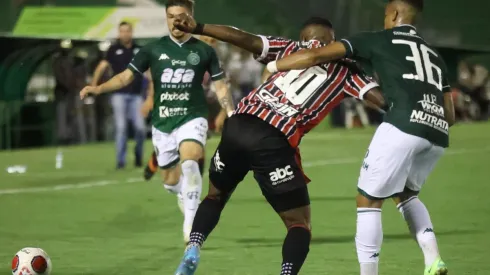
point(413, 78)
point(177, 70)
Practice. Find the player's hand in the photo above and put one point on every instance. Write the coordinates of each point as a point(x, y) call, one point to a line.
point(146, 108)
point(88, 90)
point(185, 22)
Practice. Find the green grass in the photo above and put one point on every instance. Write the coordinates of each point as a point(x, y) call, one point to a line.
point(135, 227)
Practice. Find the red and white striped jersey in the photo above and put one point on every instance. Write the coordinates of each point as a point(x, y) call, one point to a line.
point(296, 101)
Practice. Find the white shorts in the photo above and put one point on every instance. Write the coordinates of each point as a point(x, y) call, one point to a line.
point(395, 161)
point(167, 145)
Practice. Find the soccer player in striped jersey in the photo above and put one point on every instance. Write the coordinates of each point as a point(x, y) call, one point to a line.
point(264, 132)
point(413, 136)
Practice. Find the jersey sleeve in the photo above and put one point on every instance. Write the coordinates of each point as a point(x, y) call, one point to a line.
point(358, 84)
point(141, 61)
point(361, 45)
point(273, 46)
point(215, 69)
point(446, 88)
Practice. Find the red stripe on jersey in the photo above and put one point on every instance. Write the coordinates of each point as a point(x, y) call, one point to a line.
point(296, 101)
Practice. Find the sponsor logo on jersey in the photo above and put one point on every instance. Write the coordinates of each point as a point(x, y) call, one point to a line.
point(432, 114)
point(163, 57)
point(174, 96)
point(179, 62)
point(171, 111)
point(281, 175)
point(179, 78)
point(273, 102)
point(193, 58)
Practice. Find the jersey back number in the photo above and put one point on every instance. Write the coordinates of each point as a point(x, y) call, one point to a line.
point(425, 70)
point(299, 86)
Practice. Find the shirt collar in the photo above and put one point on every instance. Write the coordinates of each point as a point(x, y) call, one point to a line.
point(408, 26)
point(179, 43)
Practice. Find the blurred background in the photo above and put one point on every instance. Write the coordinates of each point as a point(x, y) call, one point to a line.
point(68, 199)
point(52, 47)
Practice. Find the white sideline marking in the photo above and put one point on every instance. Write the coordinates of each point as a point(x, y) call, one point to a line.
point(84, 185)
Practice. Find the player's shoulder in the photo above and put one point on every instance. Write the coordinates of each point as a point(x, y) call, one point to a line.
point(199, 43)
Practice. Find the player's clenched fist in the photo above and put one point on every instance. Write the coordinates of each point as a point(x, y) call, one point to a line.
point(88, 90)
point(185, 23)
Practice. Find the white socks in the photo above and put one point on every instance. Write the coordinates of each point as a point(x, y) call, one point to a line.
point(369, 237)
point(174, 189)
point(191, 192)
point(420, 225)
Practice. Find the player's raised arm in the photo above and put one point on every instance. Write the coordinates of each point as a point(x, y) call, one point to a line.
point(224, 96)
point(148, 103)
point(117, 82)
point(308, 58)
point(250, 42)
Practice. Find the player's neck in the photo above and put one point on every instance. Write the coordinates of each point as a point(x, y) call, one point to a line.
point(182, 39)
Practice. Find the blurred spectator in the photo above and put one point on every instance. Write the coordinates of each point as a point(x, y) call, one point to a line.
point(245, 71)
point(355, 108)
point(127, 102)
point(474, 81)
point(70, 74)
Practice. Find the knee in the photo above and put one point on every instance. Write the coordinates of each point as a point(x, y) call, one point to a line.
point(191, 151)
point(221, 197)
point(292, 221)
point(190, 166)
point(365, 202)
point(120, 125)
point(405, 196)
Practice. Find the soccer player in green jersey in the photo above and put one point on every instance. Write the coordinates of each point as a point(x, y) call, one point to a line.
point(414, 134)
point(177, 63)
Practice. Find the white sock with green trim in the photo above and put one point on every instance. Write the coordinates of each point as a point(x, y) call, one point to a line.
point(369, 237)
point(191, 192)
point(418, 219)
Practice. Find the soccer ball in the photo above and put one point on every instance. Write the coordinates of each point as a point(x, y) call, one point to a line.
point(31, 261)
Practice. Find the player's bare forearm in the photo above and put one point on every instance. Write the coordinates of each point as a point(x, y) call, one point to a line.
point(449, 109)
point(265, 75)
point(103, 65)
point(375, 100)
point(308, 58)
point(117, 82)
point(224, 96)
point(250, 42)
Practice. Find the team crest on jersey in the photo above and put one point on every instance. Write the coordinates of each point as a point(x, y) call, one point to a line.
point(193, 58)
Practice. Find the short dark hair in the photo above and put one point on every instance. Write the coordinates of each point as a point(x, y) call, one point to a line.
point(189, 4)
point(417, 4)
point(125, 23)
point(317, 21)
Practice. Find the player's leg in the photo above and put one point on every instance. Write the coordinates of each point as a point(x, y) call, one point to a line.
point(152, 166)
point(294, 209)
point(283, 184)
point(191, 138)
point(119, 111)
point(167, 159)
point(383, 174)
point(416, 214)
point(225, 172)
point(134, 106)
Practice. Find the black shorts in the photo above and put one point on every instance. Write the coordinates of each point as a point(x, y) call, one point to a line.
point(250, 144)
